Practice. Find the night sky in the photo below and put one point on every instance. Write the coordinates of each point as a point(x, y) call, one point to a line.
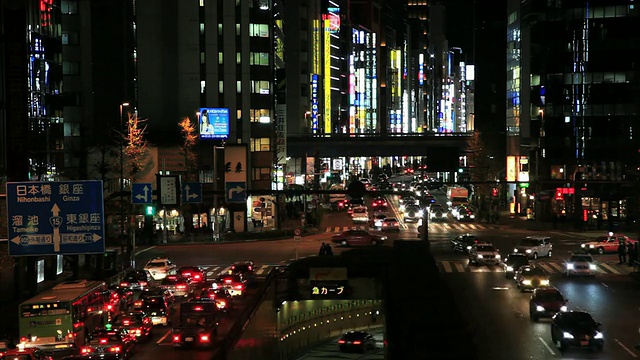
point(459, 23)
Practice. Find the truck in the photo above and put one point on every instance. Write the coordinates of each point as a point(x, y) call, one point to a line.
point(337, 201)
point(199, 319)
point(457, 195)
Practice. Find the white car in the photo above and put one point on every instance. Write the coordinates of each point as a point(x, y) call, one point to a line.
point(484, 254)
point(581, 264)
point(360, 215)
point(159, 268)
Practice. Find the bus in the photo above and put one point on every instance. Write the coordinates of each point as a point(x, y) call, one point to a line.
point(64, 316)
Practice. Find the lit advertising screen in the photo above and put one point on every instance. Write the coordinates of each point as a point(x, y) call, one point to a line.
point(214, 123)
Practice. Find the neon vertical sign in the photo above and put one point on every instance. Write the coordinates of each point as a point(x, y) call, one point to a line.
point(314, 103)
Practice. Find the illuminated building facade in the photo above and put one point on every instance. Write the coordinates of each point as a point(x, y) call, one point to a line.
point(363, 83)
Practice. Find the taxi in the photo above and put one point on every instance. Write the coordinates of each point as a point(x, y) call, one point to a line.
point(606, 244)
point(160, 268)
point(24, 353)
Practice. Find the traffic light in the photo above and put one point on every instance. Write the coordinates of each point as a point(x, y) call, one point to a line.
point(227, 167)
point(494, 192)
point(239, 167)
point(150, 210)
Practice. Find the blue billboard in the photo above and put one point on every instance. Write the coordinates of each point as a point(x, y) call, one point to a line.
point(214, 123)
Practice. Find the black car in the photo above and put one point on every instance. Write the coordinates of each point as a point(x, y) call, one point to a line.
point(137, 280)
point(546, 302)
point(113, 341)
point(356, 341)
point(246, 269)
point(463, 243)
point(512, 263)
point(137, 323)
point(222, 297)
point(576, 329)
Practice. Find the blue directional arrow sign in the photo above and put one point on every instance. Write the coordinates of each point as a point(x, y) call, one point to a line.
point(192, 192)
point(236, 192)
point(141, 193)
point(55, 218)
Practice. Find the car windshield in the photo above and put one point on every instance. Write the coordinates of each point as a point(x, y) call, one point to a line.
point(517, 259)
point(581, 258)
point(390, 220)
point(549, 296)
point(156, 264)
point(242, 268)
point(485, 248)
point(381, 217)
point(353, 335)
point(601, 239)
point(529, 242)
point(533, 271)
point(199, 320)
point(359, 210)
point(577, 318)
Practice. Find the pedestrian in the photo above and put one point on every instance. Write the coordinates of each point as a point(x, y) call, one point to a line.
point(323, 249)
point(622, 256)
point(329, 250)
point(633, 253)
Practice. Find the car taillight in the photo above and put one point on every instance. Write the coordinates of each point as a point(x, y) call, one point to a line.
point(176, 338)
point(109, 307)
point(239, 287)
point(124, 284)
point(186, 274)
point(143, 283)
point(250, 268)
point(204, 337)
point(181, 287)
point(212, 296)
point(196, 277)
point(126, 322)
point(115, 349)
point(103, 341)
point(227, 281)
point(138, 332)
point(357, 342)
point(86, 350)
point(341, 341)
point(137, 303)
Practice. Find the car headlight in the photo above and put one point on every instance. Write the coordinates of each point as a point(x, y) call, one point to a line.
point(591, 246)
point(583, 245)
point(472, 216)
point(420, 213)
point(598, 335)
point(497, 256)
point(563, 308)
point(526, 282)
point(418, 193)
point(432, 215)
point(383, 238)
point(544, 282)
point(401, 207)
point(515, 250)
point(569, 266)
point(479, 256)
point(509, 268)
point(539, 308)
point(567, 335)
point(444, 215)
point(528, 251)
point(468, 247)
point(592, 267)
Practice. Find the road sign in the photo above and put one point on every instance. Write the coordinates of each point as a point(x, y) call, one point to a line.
point(236, 192)
point(192, 192)
point(55, 218)
point(297, 232)
point(168, 187)
point(141, 193)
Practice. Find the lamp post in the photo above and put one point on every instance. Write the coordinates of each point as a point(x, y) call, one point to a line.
point(122, 235)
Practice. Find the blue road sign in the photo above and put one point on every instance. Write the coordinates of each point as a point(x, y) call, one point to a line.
point(192, 192)
point(236, 191)
point(55, 218)
point(141, 193)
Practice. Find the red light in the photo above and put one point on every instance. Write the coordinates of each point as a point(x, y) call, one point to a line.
point(186, 274)
point(233, 267)
point(109, 307)
point(126, 322)
point(204, 338)
point(86, 350)
point(124, 284)
point(78, 325)
point(197, 308)
point(250, 268)
point(196, 276)
point(115, 349)
point(176, 338)
point(357, 342)
point(143, 283)
point(103, 341)
point(212, 296)
point(138, 303)
point(181, 287)
point(228, 281)
point(341, 341)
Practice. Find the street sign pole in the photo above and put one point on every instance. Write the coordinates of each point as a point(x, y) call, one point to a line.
point(296, 238)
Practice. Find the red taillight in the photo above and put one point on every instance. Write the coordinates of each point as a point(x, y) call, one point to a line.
point(86, 350)
point(341, 341)
point(250, 268)
point(137, 303)
point(109, 307)
point(143, 283)
point(204, 337)
point(103, 341)
point(181, 287)
point(176, 338)
point(239, 287)
point(197, 308)
point(212, 296)
point(186, 274)
point(357, 342)
point(196, 276)
point(124, 284)
point(70, 335)
point(126, 322)
point(228, 281)
point(115, 349)
point(233, 267)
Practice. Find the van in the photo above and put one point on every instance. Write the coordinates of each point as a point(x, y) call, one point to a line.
point(534, 246)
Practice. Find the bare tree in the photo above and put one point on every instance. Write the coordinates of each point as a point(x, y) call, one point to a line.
point(484, 168)
point(136, 147)
point(187, 149)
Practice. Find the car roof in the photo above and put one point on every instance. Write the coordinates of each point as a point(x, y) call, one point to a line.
point(546, 290)
point(157, 260)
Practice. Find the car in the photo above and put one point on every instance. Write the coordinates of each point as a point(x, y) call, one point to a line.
point(412, 213)
point(137, 323)
point(23, 353)
point(606, 244)
point(582, 265)
point(177, 285)
point(247, 269)
point(512, 263)
point(437, 213)
point(390, 224)
point(456, 209)
point(158, 310)
point(234, 283)
point(112, 341)
point(529, 277)
point(546, 302)
point(160, 268)
point(357, 237)
point(463, 243)
point(534, 246)
point(222, 297)
point(465, 214)
point(376, 221)
point(379, 203)
point(576, 329)
point(137, 280)
point(356, 341)
point(156, 292)
point(484, 254)
point(360, 215)
point(406, 201)
point(193, 274)
point(119, 299)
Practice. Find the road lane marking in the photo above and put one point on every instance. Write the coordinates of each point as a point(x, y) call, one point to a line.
point(163, 337)
point(459, 267)
point(446, 266)
point(143, 250)
point(610, 268)
point(557, 267)
point(547, 268)
point(547, 346)
point(262, 269)
point(626, 348)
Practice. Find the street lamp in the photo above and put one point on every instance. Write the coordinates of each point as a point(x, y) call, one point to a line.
point(122, 235)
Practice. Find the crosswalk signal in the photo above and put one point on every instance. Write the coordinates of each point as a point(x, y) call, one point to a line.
point(227, 167)
point(150, 210)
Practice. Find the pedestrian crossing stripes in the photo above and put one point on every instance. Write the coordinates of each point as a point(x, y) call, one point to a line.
point(215, 270)
point(551, 267)
point(433, 227)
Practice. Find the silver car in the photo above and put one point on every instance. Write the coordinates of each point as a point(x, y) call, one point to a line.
point(534, 247)
point(581, 264)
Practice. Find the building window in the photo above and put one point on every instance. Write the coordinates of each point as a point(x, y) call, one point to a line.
point(260, 87)
point(70, 68)
point(260, 144)
point(259, 30)
point(69, 7)
point(238, 58)
point(220, 58)
point(202, 86)
point(202, 57)
point(221, 86)
point(260, 115)
point(239, 114)
point(71, 129)
point(261, 173)
point(238, 86)
point(219, 29)
point(259, 58)
point(201, 3)
point(69, 38)
point(201, 29)
point(237, 29)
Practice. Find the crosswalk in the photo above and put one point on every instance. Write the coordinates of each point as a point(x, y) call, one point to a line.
point(433, 227)
point(215, 270)
point(551, 267)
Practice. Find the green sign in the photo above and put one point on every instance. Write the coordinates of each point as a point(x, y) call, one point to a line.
point(524, 185)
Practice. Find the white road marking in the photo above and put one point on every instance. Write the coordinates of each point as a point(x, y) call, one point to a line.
point(459, 267)
point(610, 268)
point(163, 337)
point(546, 268)
point(446, 266)
point(143, 250)
point(547, 346)
point(557, 266)
point(626, 348)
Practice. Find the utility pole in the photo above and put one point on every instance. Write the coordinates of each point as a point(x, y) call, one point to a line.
point(122, 140)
